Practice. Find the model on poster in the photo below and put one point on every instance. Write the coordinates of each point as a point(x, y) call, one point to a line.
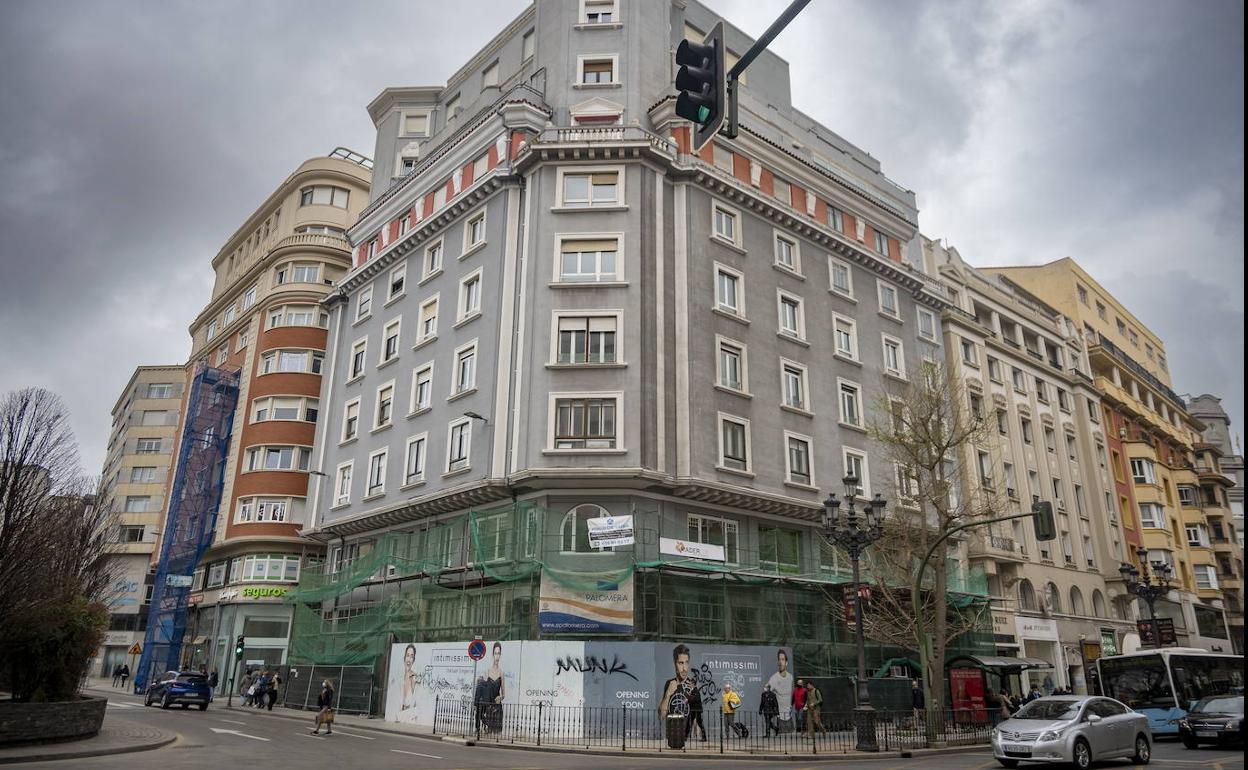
point(781, 684)
point(680, 694)
point(491, 689)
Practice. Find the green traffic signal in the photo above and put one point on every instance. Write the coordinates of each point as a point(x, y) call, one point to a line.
point(704, 114)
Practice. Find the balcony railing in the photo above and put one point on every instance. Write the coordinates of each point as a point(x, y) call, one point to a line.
point(1138, 370)
point(314, 239)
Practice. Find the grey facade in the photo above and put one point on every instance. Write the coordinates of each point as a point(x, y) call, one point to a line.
point(562, 166)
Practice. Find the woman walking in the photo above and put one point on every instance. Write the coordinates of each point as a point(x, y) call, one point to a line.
point(325, 706)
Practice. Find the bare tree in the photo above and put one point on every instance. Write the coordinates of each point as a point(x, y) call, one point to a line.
point(927, 430)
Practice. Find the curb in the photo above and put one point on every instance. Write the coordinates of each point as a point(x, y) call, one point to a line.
point(54, 756)
point(898, 754)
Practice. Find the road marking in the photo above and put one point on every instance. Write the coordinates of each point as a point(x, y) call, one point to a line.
point(415, 753)
point(119, 704)
point(355, 735)
point(310, 735)
point(240, 735)
point(231, 721)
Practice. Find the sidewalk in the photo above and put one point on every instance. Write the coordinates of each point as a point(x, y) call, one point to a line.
point(117, 736)
point(352, 722)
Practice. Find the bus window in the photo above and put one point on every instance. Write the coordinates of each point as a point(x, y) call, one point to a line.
point(1197, 677)
point(1138, 682)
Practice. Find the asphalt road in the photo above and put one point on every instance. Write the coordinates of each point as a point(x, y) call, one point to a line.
point(217, 739)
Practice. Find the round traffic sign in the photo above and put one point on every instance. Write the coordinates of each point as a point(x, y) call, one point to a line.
point(476, 649)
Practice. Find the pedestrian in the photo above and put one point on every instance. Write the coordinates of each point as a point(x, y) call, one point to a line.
point(799, 704)
point(244, 688)
point(769, 709)
point(916, 699)
point(262, 687)
point(214, 679)
point(1007, 704)
point(274, 682)
point(732, 702)
point(1035, 693)
point(814, 704)
point(325, 706)
point(116, 675)
point(125, 674)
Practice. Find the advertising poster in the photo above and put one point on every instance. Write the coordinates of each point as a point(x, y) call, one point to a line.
point(606, 609)
point(422, 674)
point(610, 531)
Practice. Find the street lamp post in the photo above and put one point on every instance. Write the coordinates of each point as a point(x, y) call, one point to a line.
point(855, 533)
point(1149, 587)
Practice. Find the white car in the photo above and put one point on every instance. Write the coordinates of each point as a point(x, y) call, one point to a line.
point(1079, 729)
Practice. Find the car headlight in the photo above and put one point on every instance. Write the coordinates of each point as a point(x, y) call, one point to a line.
point(1184, 724)
point(1052, 735)
point(1232, 725)
point(993, 733)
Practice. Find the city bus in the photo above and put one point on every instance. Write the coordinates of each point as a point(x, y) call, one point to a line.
point(1165, 683)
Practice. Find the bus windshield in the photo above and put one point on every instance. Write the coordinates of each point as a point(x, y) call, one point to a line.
point(1198, 676)
point(1138, 681)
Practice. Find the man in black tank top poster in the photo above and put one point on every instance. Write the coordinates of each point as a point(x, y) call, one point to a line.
point(681, 698)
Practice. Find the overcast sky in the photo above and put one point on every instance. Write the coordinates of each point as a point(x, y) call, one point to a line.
point(135, 137)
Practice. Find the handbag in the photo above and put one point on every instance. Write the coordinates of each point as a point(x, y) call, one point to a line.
point(327, 715)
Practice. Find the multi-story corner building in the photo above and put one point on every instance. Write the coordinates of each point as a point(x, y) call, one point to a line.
point(1025, 371)
point(556, 302)
point(141, 446)
point(264, 318)
point(1156, 438)
point(1221, 495)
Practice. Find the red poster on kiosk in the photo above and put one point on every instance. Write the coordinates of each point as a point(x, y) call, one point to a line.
point(966, 686)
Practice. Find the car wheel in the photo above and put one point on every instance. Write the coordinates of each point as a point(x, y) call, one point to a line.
point(203, 707)
point(1082, 756)
point(1008, 762)
point(1191, 743)
point(147, 700)
point(166, 702)
point(1143, 752)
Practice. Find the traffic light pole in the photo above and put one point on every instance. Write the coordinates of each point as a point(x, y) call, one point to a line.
point(759, 46)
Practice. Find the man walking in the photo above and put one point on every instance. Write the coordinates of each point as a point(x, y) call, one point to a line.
point(275, 681)
point(213, 680)
point(799, 705)
point(769, 709)
point(116, 675)
point(325, 709)
point(125, 674)
point(814, 704)
point(732, 702)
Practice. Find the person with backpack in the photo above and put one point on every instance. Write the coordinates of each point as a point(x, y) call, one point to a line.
point(769, 709)
point(732, 702)
point(325, 706)
point(213, 680)
point(125, 674)
point(275, 682)
point(814, 704)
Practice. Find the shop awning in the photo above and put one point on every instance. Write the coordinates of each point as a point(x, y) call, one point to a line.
point(1002, 662)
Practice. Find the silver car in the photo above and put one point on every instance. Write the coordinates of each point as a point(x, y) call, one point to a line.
point(1079, 729)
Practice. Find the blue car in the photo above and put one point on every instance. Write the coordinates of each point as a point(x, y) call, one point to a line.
point(185, 687)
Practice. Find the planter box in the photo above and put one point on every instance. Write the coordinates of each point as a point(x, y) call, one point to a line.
point(51, 722)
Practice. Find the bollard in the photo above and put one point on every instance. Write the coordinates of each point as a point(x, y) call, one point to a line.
point(623, 728)
point(435, 713)
point(539, 723)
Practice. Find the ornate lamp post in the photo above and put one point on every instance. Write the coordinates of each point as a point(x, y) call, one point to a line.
point(854, 533)
point(1149, 587)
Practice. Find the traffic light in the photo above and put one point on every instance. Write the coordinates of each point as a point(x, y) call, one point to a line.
point(1042, 519)
point(702, 84)
point(239, 646)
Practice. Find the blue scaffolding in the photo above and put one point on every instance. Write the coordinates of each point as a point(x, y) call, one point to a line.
point(194, 501)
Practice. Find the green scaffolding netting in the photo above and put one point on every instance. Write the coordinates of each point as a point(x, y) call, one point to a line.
point(481, 573)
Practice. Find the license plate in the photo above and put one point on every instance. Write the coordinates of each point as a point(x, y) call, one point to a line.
point(1016, 748)
point(1206, 734)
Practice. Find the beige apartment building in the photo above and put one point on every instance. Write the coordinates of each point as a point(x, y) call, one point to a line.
point(1025, 370)
point(1154, 460)
point(265, 321)
point(141, 446)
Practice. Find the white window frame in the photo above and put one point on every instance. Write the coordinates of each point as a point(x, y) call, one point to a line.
point(421, 439)
point(346, 469)
point(864, 483)
point(839, 321)
point(721, 418)
point(810, 460)
point(732, 554)
point(739, 312)
point(880, 287)
point(836, 218)
point(401, 271)
point(803, 382)
point(614, 7)
point(379, 458)
point(779, 237)
point(834, 263)
point(421, 335)
point(566, 171)
point(1156, 519)
point(603, 395)
point(461, 388)
point(558, 315)
point(450, 432)
point(438, 249)
point(743, 356)
point(1209, 572)
point(397, 326)
point(403, 116)
point(1148, 474)
point(414, 405)
point(616, 277)
point(922, 313)
point(841, 384)
point(885, 340)
point(586, 58)
point(800, 315)
point(249, 296)
point(735, 213)
point(364, 303)
point(463, 312)
point(377, 424)
point(472, 219)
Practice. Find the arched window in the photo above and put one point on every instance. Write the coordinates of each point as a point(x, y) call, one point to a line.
point(1098, 604)
point(574, 532)
point(1076, 602)
point(1026, 596)
point(1121, 607)
point(1053, 597)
